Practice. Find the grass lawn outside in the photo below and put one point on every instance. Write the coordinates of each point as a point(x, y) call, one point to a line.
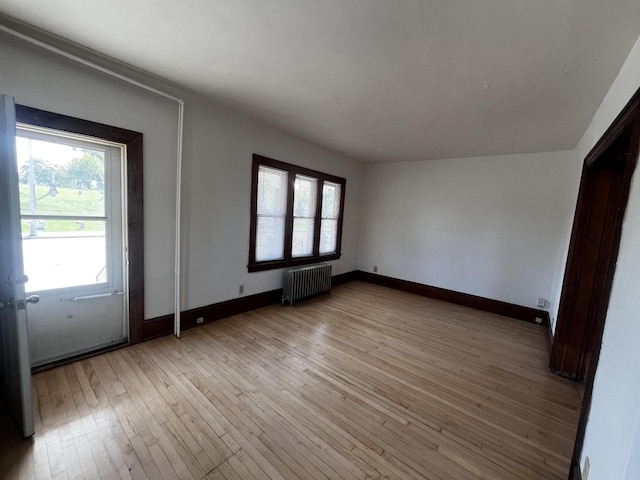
point(67, 201)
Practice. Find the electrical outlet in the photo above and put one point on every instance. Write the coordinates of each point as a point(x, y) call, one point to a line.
point(200, 320)
point(241, 289)
point(375, 269)
point(585, 468)
point(542, 302)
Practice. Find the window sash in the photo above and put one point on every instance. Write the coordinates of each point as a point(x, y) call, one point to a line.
point(305, 209)
point(328, 211)
point(330, 215)
point(271, 212)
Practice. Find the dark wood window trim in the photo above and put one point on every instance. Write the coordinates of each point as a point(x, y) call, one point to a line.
point(288, 260)
point(133, 142)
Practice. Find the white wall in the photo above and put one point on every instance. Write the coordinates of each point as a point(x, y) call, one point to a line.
point(615, 410)
point(487, 226)
point(217, 203)
point(564, 235)
point(633, 467)
point(217, 170)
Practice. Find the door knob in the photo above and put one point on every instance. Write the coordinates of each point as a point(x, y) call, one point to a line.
point(22, 304)
point(32, 299)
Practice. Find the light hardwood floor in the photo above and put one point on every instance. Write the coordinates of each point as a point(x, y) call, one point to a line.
point(364, 383)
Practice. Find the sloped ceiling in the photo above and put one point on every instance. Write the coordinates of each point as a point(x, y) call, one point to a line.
point(376, 80)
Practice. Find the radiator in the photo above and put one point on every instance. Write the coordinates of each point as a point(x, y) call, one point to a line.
point(302, 282)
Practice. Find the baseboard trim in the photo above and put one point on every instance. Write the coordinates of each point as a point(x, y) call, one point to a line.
point(345, 278)
point(158, 327)
point(161, 326)
point(511, 310)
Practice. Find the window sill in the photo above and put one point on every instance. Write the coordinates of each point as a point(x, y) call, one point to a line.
point(294, 262)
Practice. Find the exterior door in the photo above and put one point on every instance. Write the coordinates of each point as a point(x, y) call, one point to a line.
point(72, 224)
point(15, 371)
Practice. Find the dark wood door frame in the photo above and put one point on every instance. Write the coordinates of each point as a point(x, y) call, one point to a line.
point(593, 253)
point(608, 169)
point(134, 185)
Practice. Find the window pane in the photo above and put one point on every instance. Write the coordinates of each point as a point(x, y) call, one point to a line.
point(304, 197)
point(328, 236)
point(270, 238)
point(304, 212)
point(302, 244)
point(271, 210)
point(272, 191)
point(57, 179)
point(80, 253)
point(330, 200)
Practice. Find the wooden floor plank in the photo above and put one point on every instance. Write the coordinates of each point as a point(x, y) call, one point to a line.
point(364, 383)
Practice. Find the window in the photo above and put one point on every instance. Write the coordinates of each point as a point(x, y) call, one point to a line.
point(296, 215)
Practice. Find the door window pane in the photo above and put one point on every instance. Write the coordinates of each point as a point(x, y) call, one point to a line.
point(64, 210)
point(60, 179)
point(65, 253)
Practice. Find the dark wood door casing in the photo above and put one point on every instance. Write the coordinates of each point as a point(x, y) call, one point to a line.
point(135, 209)
point(591, 261)
point(594, 252)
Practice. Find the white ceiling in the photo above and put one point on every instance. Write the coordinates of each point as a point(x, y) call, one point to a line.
point(378, 80)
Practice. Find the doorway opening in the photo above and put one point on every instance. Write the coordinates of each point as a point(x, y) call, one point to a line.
point(592, 257)
point(86, 196)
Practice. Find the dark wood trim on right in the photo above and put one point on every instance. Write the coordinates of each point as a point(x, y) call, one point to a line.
point(628, 115)
point(593, 250)
point(473, 301)
point(135, 195)
point(628, 118)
